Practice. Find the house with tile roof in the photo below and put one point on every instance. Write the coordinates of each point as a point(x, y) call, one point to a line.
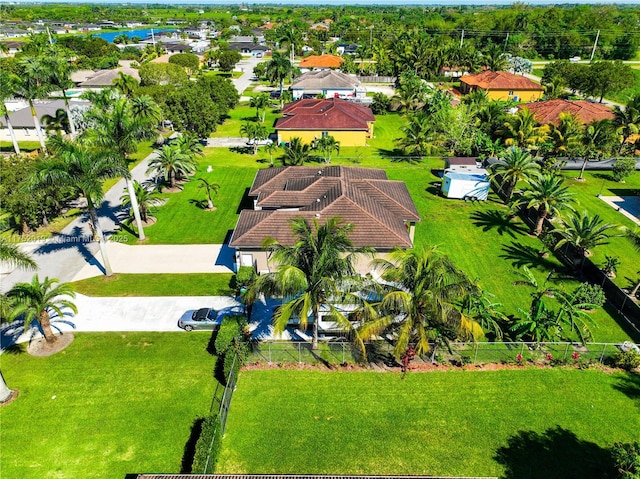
point(502, 86)
point(328, 83)
point(381, 210)
point(320, 62)
point(548, 111)
point(308, 119)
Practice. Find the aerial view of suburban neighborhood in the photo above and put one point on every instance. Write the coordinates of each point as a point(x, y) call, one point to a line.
point(312, 240)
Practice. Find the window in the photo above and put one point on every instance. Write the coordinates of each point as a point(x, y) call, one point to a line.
point(246, 260)
point(510, 92)
point(325, 133)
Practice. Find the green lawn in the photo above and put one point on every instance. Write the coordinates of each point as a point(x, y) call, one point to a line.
point(108, 405)
point(194, 284)
point(25, 146)
point(532, 423)
point(239, 115)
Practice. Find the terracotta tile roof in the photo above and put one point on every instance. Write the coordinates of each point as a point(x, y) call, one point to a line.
point(548, 111)
point(330, 114)
point(378, 207)
point(321, 61)
point(488, 80)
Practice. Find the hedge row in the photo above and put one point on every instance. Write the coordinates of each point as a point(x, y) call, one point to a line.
point(210, 432)
point(230, 341)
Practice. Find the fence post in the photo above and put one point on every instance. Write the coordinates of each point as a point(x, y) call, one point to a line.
point(342, 353)
point(566, 351)
point(602, 355)
point(269, 345)
point(522, 349)
point(475, 354)
point(299, 356)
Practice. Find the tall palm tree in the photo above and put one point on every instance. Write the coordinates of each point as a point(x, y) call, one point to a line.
point(36, 301)
point(7, 82)
point(547, 195)
point(189, 144)
point(59, 70)
point(260, 102)
point(58, 122)
point(271, 148)
point(494, 58)
point(118, 124)
point(126, 84)
point(522, 130)
point(327, 145)
point(254, 132)
point(565, 136)
point(32, 84)
point(310, 271)
point(74, 165)
point(169, 163)
point(420, 301)
point(290, 36)
point(420, 136)
point(296, 153)
point(279, 68)
point(147, 196)
point(11, 254)
point(517, 164)
point(598, 140)
point(584, 232)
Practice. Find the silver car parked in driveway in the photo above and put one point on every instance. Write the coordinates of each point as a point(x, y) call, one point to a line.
point(203, 318)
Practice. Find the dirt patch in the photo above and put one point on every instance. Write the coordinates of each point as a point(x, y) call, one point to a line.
point(12, 397)
point(151, 220)
point(40, 347)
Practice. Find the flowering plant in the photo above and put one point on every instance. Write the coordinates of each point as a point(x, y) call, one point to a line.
point(519, 357)
point(575, 355)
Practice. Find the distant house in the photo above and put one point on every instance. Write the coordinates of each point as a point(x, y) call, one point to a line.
point(173, 48)
point(549, 111)
point(253, 49)
point(346, 48)
point(321, 62)
point(502, 86)
point(349, 123)
point(12, 48)
point(104, 78)
point(329, 83)
point(22, 120)
point(382, 211)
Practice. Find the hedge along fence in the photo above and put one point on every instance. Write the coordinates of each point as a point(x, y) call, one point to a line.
point(231, 341)
point(209, 444)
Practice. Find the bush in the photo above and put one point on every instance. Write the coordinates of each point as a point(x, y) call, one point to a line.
point(588, 293)
point(627, 360)
point(244, 277)
point(623, 168)
point(210, 432)
point(627, 459)
point(231, 327)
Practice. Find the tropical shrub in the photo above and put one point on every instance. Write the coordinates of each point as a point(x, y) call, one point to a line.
point(588, 293)
point(623, 168)
point(627, 459)
point(627, 360)
point(211, 431)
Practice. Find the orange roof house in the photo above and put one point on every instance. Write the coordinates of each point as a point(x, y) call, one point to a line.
point(321, 61)
point(502, 86)
point(549, 111)
point(348, 122)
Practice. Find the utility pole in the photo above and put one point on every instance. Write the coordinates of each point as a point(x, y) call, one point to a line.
point(461, 38)
point(595, 44)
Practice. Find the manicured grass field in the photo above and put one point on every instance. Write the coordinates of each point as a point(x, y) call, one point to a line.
point(529, 423)
point(194, 284)
point(108, 405)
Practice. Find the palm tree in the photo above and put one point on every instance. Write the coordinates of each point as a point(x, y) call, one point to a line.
point(189, 144)
point(420, 136)
point(310, 272)
point(517, 164)
point(540, 290)
point(420, 301)
point(289, 35)
point(565, 136)
point(76, 166)
point(59, 70)
point(572, 317)
point(296, 153)
point(260, 102)
point(171, 162)
point(36, 301)
point(627, 120)
point(147, 198)
point(7, 82)
point(279, 68)
point(32, 84)
point(547, 195)
point(598, 141)
point(480, 306)
point(271, 148)
point(494, 58)
point(11, 254)
point(126, 84)
point(522, 130)
point(584, 232)
point(210, 189)
point(118, 124)
point(58, 122)
point(254, 132)
point(327, 145)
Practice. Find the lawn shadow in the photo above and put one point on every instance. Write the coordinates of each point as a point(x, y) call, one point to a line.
point(603, 176)
point(246, 203)
point(250, 118)
point(556, 453)
point(523, 255)
point(630, 386)
point(628, 327)
point(433, 188)
point(494, 219)
point(438, 173)
point(202, 204)
point(190, 447)
point(625, 191)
